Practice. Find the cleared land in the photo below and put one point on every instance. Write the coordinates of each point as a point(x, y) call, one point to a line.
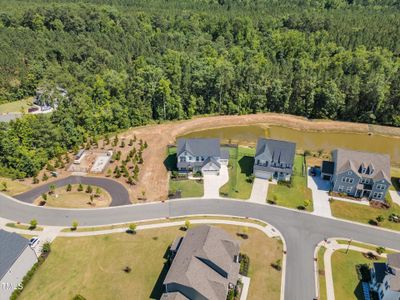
point(241, 161)
point(16, 106)
point(363, 214)
point(14, 187)
point(93, 266)
point(298, 194)
point(346, 283)
point(76, 199)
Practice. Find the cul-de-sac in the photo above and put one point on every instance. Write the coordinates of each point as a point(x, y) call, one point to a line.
point(199, 150)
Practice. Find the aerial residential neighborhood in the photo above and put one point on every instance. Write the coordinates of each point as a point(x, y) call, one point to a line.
point(199, 150)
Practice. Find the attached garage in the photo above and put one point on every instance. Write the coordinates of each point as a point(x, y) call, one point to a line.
point(262, 174)
point(211, 167)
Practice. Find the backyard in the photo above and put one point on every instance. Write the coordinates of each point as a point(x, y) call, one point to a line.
point(346, 282)
point(241, 161)
point(86, 263)
point(294, 196)
point(365, 214)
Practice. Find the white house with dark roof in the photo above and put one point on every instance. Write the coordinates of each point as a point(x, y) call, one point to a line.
point(274, 159)
point(385, 278)
point(205, 266)
point(359, 174)
point(200, 155)
point(16, 259)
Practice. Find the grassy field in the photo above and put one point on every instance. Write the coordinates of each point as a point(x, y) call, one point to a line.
point(14, 187)
point(76, 199)
point(188, 188)
point(296, 195)
point(363, 213)
point(16, 106)
point(321, 274)
point(346, 283)
point(241, 163)
point(93, 266)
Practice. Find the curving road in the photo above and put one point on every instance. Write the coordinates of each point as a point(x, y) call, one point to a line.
point(302, 231)
point(117, 191)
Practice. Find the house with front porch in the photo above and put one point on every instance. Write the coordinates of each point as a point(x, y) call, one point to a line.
point(385, 278)
point(200, 155)
point(274, 159)
point(358, 174)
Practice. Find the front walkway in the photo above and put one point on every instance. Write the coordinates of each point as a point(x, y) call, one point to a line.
point(212, 183)
point(259, 191)
point(320, 189)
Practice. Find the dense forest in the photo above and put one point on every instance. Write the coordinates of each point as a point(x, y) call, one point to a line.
point(125, 63)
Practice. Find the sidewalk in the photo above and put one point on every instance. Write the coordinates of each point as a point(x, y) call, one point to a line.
point(332, 246)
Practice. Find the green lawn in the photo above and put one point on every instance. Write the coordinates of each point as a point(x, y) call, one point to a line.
point(296, 195)
point(16, 106)
point(363, 213)
point(346, 283)
point(241, 163)
point(189, 188)
point(321, 274)
point(93, 266)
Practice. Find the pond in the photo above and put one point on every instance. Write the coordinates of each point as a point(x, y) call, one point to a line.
point(306, 140)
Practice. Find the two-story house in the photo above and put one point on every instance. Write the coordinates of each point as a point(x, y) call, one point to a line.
point(385, 278)
point(200, 155)
point(359, 174)
point(274, 159)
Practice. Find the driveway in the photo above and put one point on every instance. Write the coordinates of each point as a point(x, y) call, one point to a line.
point(320, 189)
point(212, 183)
point(117, 191)
point(259, 191)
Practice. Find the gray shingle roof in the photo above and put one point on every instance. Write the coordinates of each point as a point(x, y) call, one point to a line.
point(11, 247)
point(394, 260)
point(276, 150)
point(205, 262)
point(199, 147)
point(348, 159)
point(173, 296)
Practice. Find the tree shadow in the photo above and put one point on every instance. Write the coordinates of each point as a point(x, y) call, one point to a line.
point(246, 165)
point(396, 183)
point(170, 162)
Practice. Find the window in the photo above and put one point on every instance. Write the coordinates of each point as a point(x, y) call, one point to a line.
point(340, 188)
point(197, 158)
point(182, 159)
point(386, 285)
point(381, 294)
point(349, 189)
point(347, 180)
point(377, 195)
point(364, 180)
point(380, 186)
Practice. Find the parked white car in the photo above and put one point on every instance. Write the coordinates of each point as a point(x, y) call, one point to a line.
point(33, 242)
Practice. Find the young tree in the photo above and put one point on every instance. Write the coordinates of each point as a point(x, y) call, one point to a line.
point(380, 218)
point(130, 142)
point(109, 172)
point(98, 192)
point(74, 225)
point(187, 224)
point(122, 144)
point(35, 180)
point(44, 196)
point(130, 180)
point(4, 186)
point(52, 188)
point(80, 187)
point(89, 189)
point(69, 187)
point(45, 177)
point(33, 223)
point(132, 228)
point(380, 250)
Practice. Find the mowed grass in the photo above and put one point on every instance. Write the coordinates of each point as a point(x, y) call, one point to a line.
point(321, 274)
point(363, 213)
point(346, 283)
point(16, 106)
point(296, 195)
point(241, 161)
point(188, 187)
point(14, 187)
point(93, 266)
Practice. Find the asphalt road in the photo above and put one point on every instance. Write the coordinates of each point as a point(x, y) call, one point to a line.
point(117, 191)
point(302, 231)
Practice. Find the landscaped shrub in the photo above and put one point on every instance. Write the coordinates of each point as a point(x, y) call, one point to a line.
point(285, 183)
point(244, 264)
point(277, 265)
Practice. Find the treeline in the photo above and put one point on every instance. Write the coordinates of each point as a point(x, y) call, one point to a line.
point(137, 61)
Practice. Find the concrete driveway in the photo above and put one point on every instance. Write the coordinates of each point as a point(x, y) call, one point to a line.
point(395, 197)
point(259, 191)
point(212, 183)
point(320, 189)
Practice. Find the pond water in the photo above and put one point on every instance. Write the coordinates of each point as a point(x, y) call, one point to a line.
point(306, 140)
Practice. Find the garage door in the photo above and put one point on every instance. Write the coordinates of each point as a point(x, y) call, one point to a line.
point(210, 172)
point(262, 174)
